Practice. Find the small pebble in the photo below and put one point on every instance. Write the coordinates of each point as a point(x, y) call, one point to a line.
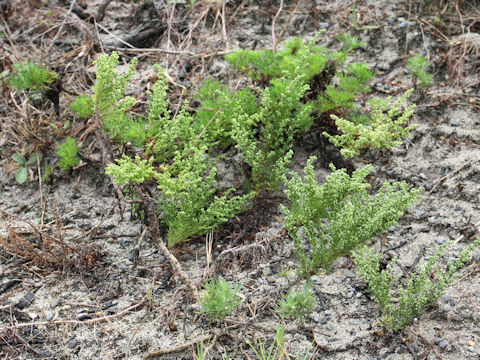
point(442, 344)
point(419, 213)
point(330, 326)
point(315, 317)
point(423, 176)
point(337, 280)
point(350, 274)
point(446, 308)
point(254, 273)
point(454, 122)
point(83, 316)
point(359, 294)
point(438, 340)
point(25, 301)
point(391, 21)
point(471, 348)
point(163, 259)
point(415, 346)
point(403, 24)
point(72, 344)
point(316, 279)
point(292, 276)
point(446, 298)
point(324, 25)
point(379, 85)
point(350, 294)
point(260, 280)
point(392, 228)
point(49, 317)
point(458, 208)
point(328, 312)
point(324, 320)
point(439, 241)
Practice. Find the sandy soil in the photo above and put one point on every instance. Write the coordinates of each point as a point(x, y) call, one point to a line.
point(111, 304)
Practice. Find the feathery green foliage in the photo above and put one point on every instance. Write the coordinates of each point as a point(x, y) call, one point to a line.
point(422, 289)
point(29, 76)
point(297, 304)
point(418, 66)
point(189, 200)
point(280, 117)
point(84, 106)
point(384, 131)
point(333, 219)
point(219, 299)
point(68, 151)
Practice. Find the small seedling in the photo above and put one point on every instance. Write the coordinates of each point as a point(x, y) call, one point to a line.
point(84, 106)
point(400, 304)
point(298, 304)
point(219, 299)
point(22, 173)
point(68, 151)
point(29, 76)
point(418, 66)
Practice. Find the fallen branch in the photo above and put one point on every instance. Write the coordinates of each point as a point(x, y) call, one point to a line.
point(178, 348)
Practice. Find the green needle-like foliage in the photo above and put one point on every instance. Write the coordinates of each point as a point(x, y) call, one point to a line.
point(421, 291)
point(333, 219)
point(418, 66)
point(29, 76)
point(298, 304)
point(219, 299)
point(384, 131)
point(68, 151)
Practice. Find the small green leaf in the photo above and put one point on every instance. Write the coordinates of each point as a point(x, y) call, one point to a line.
point(19, 159)
point(22, 175)
point(32, 159)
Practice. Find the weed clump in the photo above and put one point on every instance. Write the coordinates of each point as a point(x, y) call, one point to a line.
point(29, 76)
point(219, 299)
point(398, 304)
point(335, 218)
point(67, 151)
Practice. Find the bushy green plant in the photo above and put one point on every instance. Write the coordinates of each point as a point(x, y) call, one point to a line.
point(331, 220)
point(219, 299)
point(418, 66)
point(29, 76)
point(109, 97)
point(22, 173)
point(281, 115)
point(351, 83)
point(399, 304)
point(67, 151)
point(189, 200)
point(297, 304)
point(218, 106)
point(384, 130)
point(84, 106)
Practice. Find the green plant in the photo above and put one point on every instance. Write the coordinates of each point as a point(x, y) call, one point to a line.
point(298, 304)
point(29, 76)
point(219, 299)
point(418, 66)
point(22, 173)
point(84, 106)
point(280, 117)
point(384, 130)
point(398, 304)
point(276, 349)
point(331, 220)
point(68, 151)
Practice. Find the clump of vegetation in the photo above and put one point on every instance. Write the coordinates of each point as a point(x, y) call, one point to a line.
point(418, 66)
point(333, 219)
point(400, 304)
point(298, 304)
point(189, 200)
point(219, 299)
point(84, 106)
point(68, 151)
point(29, 76)
point(22, 173)
point(384, 130)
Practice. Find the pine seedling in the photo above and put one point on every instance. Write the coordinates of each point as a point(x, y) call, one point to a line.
point(67, 151)
point(418, 66)
point(398, 304)
point(333, 219)
point(385, 130)
point(29, 76)
point(22, 173)
point(297, 304)
point(219, 299)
